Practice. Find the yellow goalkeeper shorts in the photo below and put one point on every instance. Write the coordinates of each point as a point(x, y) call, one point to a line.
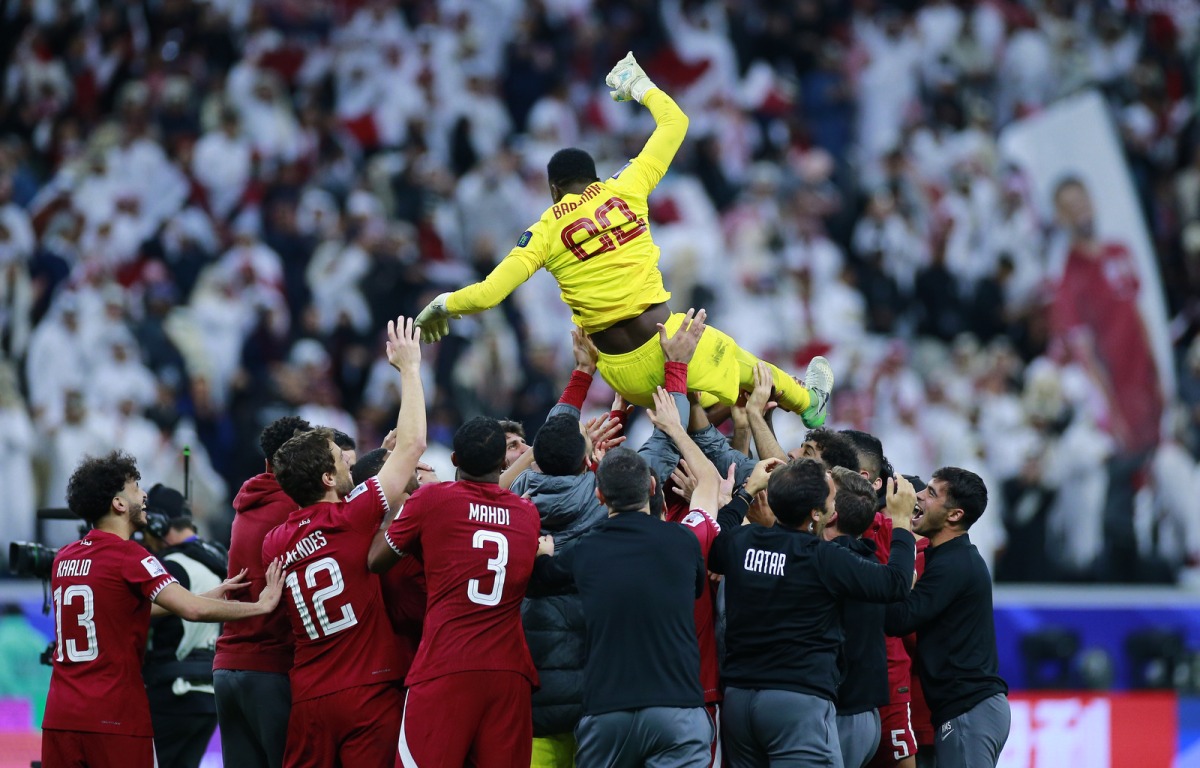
point(720, 368)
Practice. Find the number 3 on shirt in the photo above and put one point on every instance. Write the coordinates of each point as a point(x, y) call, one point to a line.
point(336, 585)
point(68, 597)
point(495, 564)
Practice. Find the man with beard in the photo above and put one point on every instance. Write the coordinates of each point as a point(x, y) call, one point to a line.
point(346, 700)
point(97, 713)
point(950, 609)
point(784, 587)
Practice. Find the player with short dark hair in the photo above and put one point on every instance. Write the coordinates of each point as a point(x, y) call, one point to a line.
point(898, 730)
point(254, 656)
point(514, 441)
point(784, 587)
point(560, 447)
point(347, 444)
point(346, 698)
point(638, 577)
point(832, 448)
point(864, 687)
point(470, 685)
point(103, 585)
point(595, 240)
point(950, 609)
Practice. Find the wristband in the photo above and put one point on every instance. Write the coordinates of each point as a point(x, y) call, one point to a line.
point(675, 377)
point(741, 493)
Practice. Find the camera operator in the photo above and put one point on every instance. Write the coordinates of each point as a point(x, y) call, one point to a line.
point(179, 656)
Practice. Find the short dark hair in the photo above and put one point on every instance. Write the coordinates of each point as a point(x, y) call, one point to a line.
point(567, 165)
point(796, 489)
point(623, 477)
point(559, 446)
point(368, 465)
point(301, 462)
point(855, 501)
point(1067, 180)
point(479, 446)
point(183, 524)
point(279, 432)
point(96, 481)
point(836, 449)
point(869, 451)
point(343, 441)
point(512, 427)
point(966, 492)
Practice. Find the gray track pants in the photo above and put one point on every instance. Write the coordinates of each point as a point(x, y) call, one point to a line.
point(858, 736)
point(780, 728)
point(975, 738)
point(662, 737)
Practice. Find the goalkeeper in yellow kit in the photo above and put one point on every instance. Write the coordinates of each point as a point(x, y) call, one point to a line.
point(595, 240)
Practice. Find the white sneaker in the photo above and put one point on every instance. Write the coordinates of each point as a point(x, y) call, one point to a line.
point(818, 380)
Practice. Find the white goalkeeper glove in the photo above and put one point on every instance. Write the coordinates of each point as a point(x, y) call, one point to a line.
point(434, 320)
point(628, 80)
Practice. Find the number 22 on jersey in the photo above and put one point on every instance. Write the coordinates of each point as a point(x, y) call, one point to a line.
point(610, 235)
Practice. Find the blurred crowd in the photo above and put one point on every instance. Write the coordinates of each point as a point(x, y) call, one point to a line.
point(209, 210)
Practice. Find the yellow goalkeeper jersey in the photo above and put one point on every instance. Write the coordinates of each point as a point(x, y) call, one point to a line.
point(597, 244)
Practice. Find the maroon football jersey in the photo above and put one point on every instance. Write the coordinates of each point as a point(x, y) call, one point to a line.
point(478, 543)
point(343, 638)
point(103, 586)
point(899, 664)
point(699, 522)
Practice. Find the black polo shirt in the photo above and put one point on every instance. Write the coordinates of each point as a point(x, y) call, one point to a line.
point(950, 609)
point(864, 655)
point(638, 578)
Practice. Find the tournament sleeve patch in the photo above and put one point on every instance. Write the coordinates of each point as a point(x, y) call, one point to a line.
point(617, 175)
point(153, 567)
point(524, 239)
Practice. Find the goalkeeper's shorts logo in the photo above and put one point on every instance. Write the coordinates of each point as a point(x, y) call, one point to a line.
point(523, 241)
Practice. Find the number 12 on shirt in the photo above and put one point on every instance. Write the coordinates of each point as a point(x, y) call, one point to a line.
point(319, 598)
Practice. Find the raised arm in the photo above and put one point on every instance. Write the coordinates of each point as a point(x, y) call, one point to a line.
point(630, 83)
point(659, 450)
point(518, 266)
point(756, 412)
point(404, 353)
point(666, 419)
point(848, 575)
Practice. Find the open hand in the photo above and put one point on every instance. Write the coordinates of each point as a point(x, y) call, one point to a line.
point(680, 347)
point(269, 597)
point(404, 344)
